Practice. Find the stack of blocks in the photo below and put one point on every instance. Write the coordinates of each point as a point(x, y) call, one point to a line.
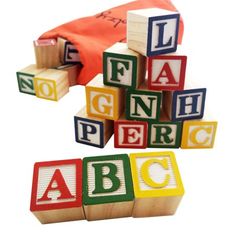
point(56, 69)
point(105, 187)
point(159, 111)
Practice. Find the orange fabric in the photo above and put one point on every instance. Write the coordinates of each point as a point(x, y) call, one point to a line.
point(92, 35)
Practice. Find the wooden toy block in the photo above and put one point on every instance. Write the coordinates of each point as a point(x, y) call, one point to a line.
point(46, 53)
point(123, 67)
point(158, 188)
point(167, 72)
point(184, 105)
point(92, 130)
point(143, 104)
point(152, 31)
point(164, 133)
point(68, 52)
point(51, 84)
point(104, 101)
point(198, 134)
point(57, 191)
point(107, 187)
point(130, 134)
point(25, 79)
point(73, 72)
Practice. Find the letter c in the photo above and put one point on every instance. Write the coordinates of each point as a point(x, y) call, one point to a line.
point(146, 176)
point(194, 133)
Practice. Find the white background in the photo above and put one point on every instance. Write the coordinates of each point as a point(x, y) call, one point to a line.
point(33, 129)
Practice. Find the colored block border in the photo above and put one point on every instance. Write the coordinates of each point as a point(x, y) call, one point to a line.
point(127, 122)
point(188, 91)
point(18, 80)
point(187, 124)
point(178, 191)
point(61, 205)
point(129, 196)
point(89, 89)
point(101, 126)
point(178, 134)
point(55, 97)
point(65, 49)
point(149, 40)
point(180, 86)
point(143, 92)
point(120, 56)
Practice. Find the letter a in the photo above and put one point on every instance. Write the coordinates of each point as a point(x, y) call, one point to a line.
point(167, 74)
point(61, 187)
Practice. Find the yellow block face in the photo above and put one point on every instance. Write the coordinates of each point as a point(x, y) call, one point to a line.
point(198, 134)
point(45, 88)
point(102, 103)
point(155, 174)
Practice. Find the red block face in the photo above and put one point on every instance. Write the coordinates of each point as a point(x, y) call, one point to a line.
point(57, 185)
point(45, 42)
point(166, 72)
point(130, 134)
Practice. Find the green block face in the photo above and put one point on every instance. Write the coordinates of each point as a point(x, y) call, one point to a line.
point(25, 83)
point(120, 70)
point(143, 105)
point(107, 179)
point(164, 134)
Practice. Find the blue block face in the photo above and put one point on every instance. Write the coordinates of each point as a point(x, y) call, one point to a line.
point(188, 104)
point(162, 34)
point(89, 132)
point(71, 54)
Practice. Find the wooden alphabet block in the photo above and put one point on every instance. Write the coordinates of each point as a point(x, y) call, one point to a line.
point(46, 53)
point(143, 104)
point(158, 188)
point(164, 133)
point(123, 67)
point(68, 52)
point(73, 72)
point(57, 191)
point(184, 105)
point(92, 130)
point(152, 31)
point(198, 134)
point(166, 72)
point(25, 79)
point(130, 134)
point(51, 84)
point(104, 101)
point(107, 187)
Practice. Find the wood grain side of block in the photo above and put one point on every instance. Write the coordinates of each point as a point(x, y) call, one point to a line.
point(121, 102)
point(61, 45)
point(109, 210)
point(73, 72)
point(32, 70)
point(108, 129)
point(46, 55)
point(148, 207)
point(167, 103)
point(137, 31)
point(141, 70)
point(62, 215)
